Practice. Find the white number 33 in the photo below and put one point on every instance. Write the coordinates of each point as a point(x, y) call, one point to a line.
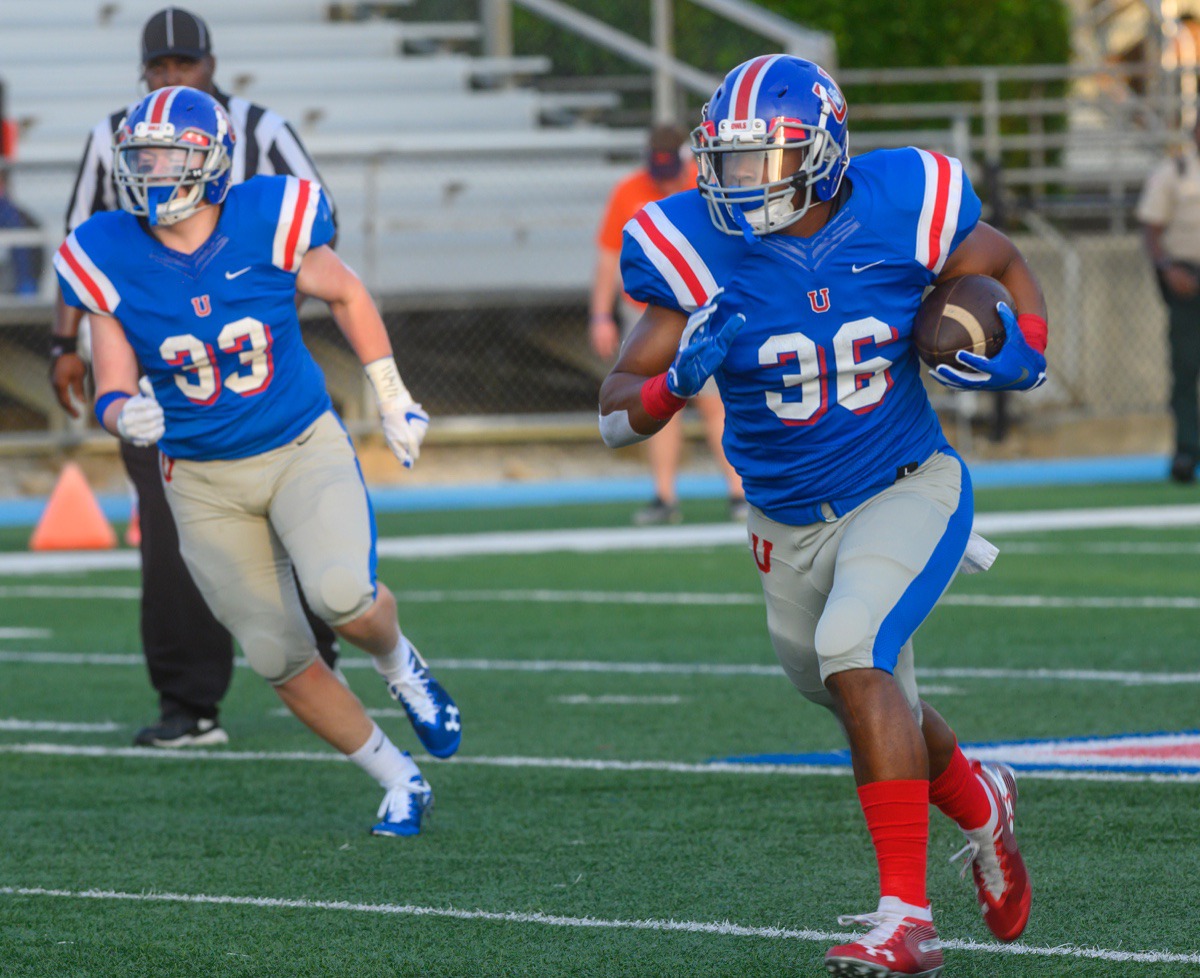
point(199, 377)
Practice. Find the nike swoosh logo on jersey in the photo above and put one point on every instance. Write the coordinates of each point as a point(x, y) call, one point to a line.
point(232, 275)
point(855, 269)
point(301, 441)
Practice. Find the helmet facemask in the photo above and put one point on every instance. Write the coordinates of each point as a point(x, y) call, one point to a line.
point(163, 176)
point(743, 177)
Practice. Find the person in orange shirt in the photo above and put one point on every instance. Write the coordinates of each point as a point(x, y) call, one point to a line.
point(669, 169)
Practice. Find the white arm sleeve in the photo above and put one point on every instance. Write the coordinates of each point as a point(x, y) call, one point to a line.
point(616, 430)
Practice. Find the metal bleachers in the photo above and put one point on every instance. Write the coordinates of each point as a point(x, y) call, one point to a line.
point(447, 177)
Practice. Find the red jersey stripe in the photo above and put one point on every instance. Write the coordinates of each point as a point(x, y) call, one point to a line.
point(88, 282)
point(941, 199)
point(678, 262)
point(289, 249)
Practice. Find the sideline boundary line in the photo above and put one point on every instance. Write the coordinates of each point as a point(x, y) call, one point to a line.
point(560, 763)
point(723, 929)
point(603, 539)
point(1122, 677)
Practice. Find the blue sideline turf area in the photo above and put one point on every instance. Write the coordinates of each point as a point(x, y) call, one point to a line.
point(985, 475)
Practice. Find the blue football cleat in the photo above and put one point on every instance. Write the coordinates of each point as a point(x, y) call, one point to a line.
point(402, 808)
point(430, 709)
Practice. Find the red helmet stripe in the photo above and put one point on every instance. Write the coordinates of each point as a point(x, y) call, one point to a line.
point(161, 106)
point(744, 97)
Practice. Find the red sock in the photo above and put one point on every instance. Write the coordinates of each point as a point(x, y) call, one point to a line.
point(898, 820)
point(958, 794)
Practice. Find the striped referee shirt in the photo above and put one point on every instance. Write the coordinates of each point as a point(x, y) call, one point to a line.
point(265, 144)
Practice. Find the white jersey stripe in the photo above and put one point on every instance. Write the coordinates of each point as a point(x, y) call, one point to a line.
point(306, 224)
point(676, 260)
point(291, 194)
point(940, 207)
point(953, 203)
point(88, 280)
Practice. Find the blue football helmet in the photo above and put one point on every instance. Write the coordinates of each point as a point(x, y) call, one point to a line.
point(764, 107)
point(172, 155)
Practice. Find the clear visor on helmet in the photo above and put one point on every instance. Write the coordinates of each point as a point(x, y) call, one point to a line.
point(758, 177)
point(161, 164)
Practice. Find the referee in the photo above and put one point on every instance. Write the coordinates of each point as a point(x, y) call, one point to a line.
point(189, 654)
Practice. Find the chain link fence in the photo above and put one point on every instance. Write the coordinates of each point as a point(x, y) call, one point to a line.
point(524, 356)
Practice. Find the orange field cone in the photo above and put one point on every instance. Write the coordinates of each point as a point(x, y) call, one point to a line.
point(133, 532)
point(72, 519)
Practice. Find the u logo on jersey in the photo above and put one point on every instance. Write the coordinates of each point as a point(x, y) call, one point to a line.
point(818, 300)
point(203, 307)
point(763, 561)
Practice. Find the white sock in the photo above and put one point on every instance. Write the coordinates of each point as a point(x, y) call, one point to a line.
point(396, 665)
point(384, 761)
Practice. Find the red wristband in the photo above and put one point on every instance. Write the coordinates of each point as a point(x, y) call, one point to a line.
point(659, 402)
point(1033, 328)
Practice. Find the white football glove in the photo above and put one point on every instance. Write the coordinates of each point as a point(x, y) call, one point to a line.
point(141, 418)
point(404, 427)
point(404, 420)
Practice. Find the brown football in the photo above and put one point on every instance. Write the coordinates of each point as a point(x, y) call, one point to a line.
point(960, 315)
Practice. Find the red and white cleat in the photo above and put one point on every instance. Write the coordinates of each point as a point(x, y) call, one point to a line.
point(1001, 879)
point(902, 943)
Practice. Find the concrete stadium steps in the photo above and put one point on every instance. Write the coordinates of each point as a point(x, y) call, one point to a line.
point(367, 78)
point(312, 114)
point(125, 15)
point(74, 47)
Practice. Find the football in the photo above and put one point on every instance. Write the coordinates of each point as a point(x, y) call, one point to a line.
point(960, 315)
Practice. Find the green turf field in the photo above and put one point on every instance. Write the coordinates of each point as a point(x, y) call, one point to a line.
point(581, 832)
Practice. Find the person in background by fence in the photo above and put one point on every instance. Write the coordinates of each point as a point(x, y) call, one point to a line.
point(23, 270)
point(1169, 211)
point(669, 170)
point(189, 654)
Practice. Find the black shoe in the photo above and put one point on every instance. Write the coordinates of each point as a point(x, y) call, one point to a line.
point(181, 730)
point(1183, 468)
point(657, 513)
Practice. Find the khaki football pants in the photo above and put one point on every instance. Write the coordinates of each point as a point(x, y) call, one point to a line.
point(243, 524)
point(850, 593)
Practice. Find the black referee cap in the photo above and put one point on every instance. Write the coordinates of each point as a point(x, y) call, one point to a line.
point(174, 31)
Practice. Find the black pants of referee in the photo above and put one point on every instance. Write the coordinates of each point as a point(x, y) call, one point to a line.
point(188, 652)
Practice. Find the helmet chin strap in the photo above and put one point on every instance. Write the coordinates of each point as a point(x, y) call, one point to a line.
point(762, 218)
point(162, 197)
point(157, 197)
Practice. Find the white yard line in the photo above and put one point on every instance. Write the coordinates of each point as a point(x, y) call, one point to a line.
point(1121, 677)
point(583, 699)
point(654, 598)
point(13, 633)
point(556, 763)
point(1101, 549)
point(629, 538)
point(721, 929)
point(53, 726)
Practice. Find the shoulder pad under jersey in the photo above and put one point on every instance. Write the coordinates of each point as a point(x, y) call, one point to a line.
point(921, 200)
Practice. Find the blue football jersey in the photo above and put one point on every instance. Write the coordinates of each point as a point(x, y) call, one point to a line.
point(822, 386)
point(215, 331)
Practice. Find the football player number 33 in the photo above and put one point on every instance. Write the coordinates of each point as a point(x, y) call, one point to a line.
point(200, 379)
point(859, 383)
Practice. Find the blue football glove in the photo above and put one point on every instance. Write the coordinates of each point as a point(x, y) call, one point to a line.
point(1017, 367)
point(702, 348)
